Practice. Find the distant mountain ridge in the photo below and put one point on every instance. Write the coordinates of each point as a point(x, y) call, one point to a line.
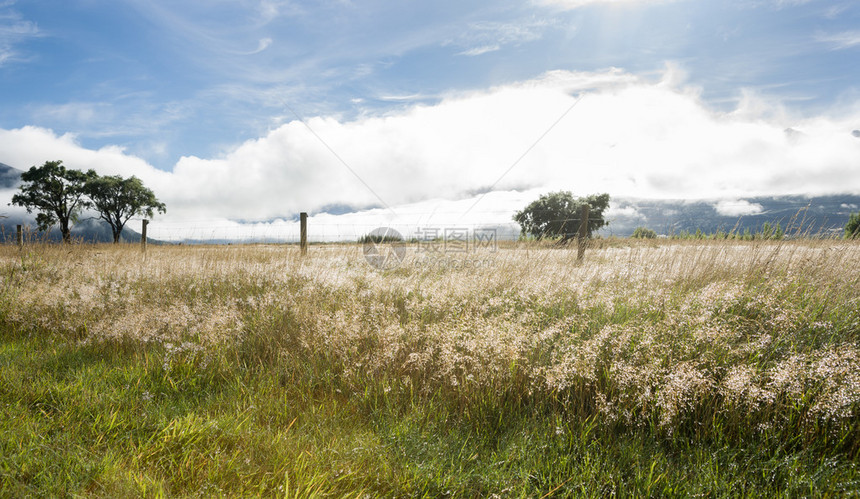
point(9, 177)
point(820, 215)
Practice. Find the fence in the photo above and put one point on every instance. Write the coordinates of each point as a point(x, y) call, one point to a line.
point(666, 219)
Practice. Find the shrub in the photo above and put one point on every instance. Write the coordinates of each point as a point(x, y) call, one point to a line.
point(644, 233)
point(852, 228)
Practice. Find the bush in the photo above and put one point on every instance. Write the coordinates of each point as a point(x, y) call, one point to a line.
point(770, 231)
point(380, 238)
point(852, 228)
point(644, 233)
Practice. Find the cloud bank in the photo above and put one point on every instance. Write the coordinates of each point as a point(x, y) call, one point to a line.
point(609, 131)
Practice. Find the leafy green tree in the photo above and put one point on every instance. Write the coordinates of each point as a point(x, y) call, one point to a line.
point(644, 233)
point(852, 228)
point(56, 193)
point(117, 199)
point(557, 214)
point(770, 231)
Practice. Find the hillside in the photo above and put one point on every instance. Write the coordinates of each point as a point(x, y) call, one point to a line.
point(815, 215)
point(9, 177)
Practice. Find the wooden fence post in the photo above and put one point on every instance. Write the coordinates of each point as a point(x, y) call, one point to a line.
point(303, 232)
point(143, 235)
point(20, 236)
point(582, 238)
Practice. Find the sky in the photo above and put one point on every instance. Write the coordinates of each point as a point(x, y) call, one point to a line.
point(240, 112)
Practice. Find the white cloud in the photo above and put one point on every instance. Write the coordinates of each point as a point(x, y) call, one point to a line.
point(80, 113)
point(484, 37)
point(625, 211)
point(405, 98)
point(270, 10)
point(13, 30)
point(840, 41)
point(412, 220)
point(481, 50)
point(262, 45)
point(628, 136)
point(789, 3)
point(575, 4)
point(834, 11)
point(32, 146)
point(737, 208)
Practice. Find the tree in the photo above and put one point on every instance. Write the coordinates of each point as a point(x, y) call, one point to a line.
point(770, 231)
point(117, 199)
point(557, 214)
point(56, 193)
point(852, 228)
point(643, 233)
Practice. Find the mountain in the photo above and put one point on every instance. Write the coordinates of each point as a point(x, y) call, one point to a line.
point(821, 215)
point(9, 177)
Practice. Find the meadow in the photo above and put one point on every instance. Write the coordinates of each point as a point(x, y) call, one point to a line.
point(651, 368)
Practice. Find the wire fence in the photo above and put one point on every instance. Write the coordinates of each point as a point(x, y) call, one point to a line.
point(317, 231)
point(664, 218)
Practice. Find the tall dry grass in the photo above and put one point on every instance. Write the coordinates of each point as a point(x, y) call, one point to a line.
point(725, 340)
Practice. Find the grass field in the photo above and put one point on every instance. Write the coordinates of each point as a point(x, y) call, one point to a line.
point(671, 368)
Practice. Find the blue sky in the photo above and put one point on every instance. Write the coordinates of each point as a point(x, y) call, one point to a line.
point(172, 91)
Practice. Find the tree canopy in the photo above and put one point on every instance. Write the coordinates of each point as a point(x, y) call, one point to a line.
point(117, 199)
point(55, 193)
point(557, 215)
point(59, 195)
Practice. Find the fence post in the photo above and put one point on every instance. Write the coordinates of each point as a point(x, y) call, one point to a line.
point(582, 238)
point(143, 235)
point(20, 236)
point(303, 232)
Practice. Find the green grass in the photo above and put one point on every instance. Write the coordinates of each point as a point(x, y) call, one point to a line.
point(396, 385)
point(112, 421)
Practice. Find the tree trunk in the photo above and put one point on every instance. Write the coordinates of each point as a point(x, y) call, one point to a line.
point(67, 234)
